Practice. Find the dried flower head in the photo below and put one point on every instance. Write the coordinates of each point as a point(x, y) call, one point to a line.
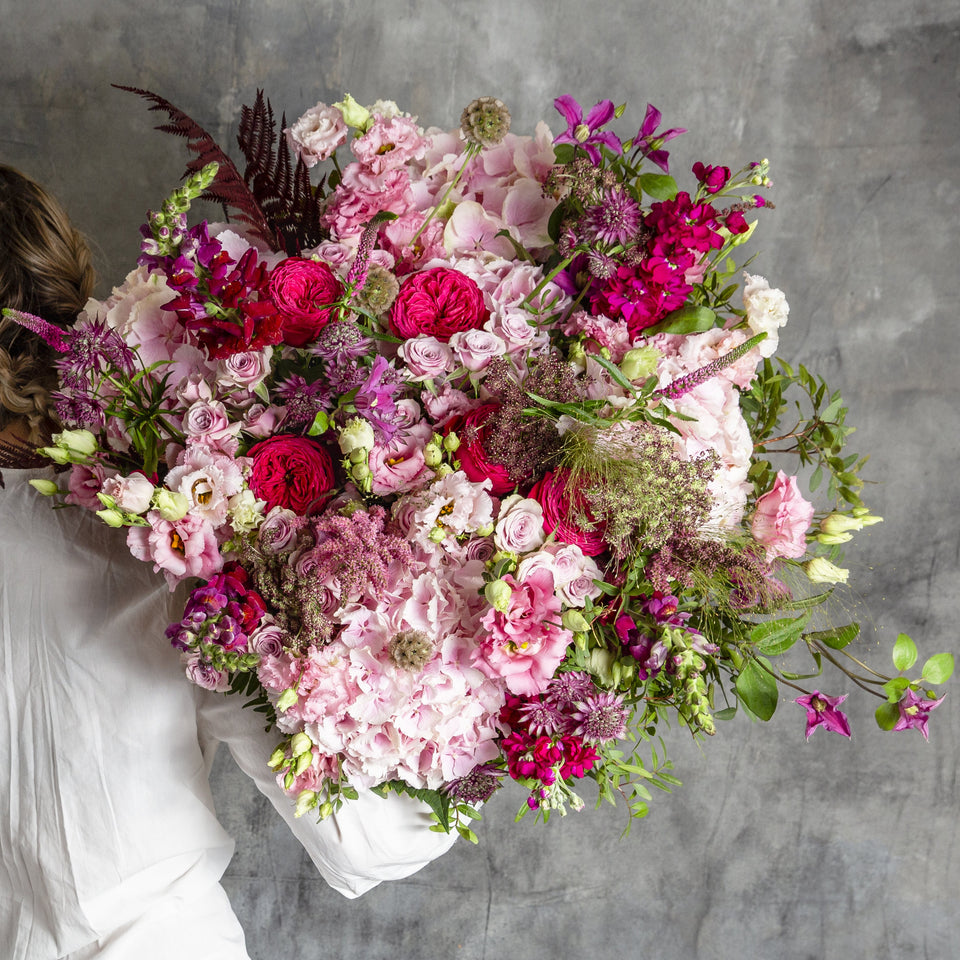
point(485, 121)
point(411, 650)
point(379, 291)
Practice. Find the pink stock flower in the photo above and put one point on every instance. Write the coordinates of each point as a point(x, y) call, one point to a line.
point(822, 712)
point(782, 519)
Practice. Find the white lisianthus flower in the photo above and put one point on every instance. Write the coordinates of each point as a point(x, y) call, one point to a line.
point(357, 434)
point(767, 310)
point(246, 511)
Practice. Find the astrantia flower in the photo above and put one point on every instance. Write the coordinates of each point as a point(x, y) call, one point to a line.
point(822, 712)
point(478, 786)
point(615, 219)
point(587, 133)
point(915, 711)
point(600, 718)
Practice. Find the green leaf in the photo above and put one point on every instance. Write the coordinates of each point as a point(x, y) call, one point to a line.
point(895, 688)
point(904, 653)
point(563, 152)
point(815, 479)
point(727, 713)
point(757, 689)
point(938, 668)
point(777, 636)
point(689, 319)
point(804, 603)
point(887, 715)
point(660, 186)
point(837, 638)
point(320, 425)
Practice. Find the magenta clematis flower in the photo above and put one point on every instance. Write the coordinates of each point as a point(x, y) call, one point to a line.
point(587, 133)
point(822, 712)
point(650, 143)
point(914, 712)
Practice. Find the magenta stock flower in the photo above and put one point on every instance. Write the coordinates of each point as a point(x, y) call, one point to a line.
point(914, 712)
point(650, 143)
point(587, 133)
point(822, 712)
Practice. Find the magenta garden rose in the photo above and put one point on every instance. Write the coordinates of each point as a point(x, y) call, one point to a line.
point(552, 493)
point(437, 303)
point(291, 472)
point(303, 291)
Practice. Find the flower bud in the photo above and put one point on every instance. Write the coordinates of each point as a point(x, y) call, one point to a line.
point(325, 809)
point(58, 456)
point(303, 761)
point(47, 487)
point(437, 535)
point(831, 539)
point(498, 594)
point(287, 699)
point(277, 758)
point(451, 443)
point(575, 621)
point(444, 470)
point(357, 434)
point(640, 363)
point(170, 504)
point(836, 523)
point(80, 443)
point(432, 455)
point(112, 518)
point(300, 743)
point(821, 570)
point(354, 115)
point(306, 800)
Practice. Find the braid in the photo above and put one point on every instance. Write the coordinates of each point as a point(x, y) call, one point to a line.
point(45, 269)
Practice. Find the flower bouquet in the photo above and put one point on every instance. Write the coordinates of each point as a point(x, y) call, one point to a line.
point(471, 455)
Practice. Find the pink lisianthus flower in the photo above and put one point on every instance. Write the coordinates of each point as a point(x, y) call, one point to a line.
point(85, 483)
point(180, 548)
point(207, 479)
point(389, 143)
point(132, 493)
point(398, 465)
point(317, 134)
point(782, 519)
point(524, 644)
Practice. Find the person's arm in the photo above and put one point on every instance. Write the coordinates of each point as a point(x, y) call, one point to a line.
point(368, 840)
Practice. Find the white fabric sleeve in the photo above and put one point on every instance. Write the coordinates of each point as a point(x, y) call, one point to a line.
point(366, 841)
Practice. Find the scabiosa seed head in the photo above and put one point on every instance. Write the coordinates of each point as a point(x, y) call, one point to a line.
point(485, 121)
point(379, 291)
point(411, 650)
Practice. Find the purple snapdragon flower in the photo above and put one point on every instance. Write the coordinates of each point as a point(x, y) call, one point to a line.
point(587, 133)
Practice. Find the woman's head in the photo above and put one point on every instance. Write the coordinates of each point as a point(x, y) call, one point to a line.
point(45, 269)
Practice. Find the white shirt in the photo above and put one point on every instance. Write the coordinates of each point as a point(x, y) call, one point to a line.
point(109, 845)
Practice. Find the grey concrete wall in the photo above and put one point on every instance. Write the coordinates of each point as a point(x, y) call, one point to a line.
point(773, 848)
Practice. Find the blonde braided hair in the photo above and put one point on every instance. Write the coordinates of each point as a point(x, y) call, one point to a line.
point(45, 269)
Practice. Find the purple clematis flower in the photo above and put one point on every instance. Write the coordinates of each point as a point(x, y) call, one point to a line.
point(822, 712)
point(650, 143)
point(914, 712)
point(587, 133)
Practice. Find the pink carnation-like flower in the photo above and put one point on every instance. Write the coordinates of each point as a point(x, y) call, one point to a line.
point(782, 519)
point(525, 644)
point(317, 134)
point(389, 143)
point(180, 548)
point(437, 302)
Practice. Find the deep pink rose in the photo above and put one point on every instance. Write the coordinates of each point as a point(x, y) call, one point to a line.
point(473, 458)
point(437, 303)
point(291, 472)
point(552, 494)
point(782, 519)
point(303, 291)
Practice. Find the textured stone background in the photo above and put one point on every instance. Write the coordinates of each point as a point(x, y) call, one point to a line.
point(773, 848)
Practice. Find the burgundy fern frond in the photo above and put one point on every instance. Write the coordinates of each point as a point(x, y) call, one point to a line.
point(229, 187)
point(284, 193)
